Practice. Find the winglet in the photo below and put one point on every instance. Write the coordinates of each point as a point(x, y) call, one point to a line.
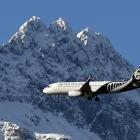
point(88, 80)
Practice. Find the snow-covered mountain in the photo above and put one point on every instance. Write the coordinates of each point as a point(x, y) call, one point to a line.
point(37, 55)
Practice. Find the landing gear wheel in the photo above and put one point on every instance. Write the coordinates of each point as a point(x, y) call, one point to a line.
point(97, 98)
point(89, 98)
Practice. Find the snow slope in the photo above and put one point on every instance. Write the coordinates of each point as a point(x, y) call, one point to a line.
point(34, 123)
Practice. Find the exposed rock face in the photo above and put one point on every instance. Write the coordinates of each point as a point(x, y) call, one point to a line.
point(37, 55)
point(10, 131)
point(13, 132)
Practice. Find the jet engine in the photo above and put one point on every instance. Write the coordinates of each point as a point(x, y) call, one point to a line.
point(75, 93)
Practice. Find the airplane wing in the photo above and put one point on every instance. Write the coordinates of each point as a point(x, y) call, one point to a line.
point(86, 88)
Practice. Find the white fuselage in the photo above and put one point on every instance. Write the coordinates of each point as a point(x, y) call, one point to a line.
point(90, 89)
point(65, 87)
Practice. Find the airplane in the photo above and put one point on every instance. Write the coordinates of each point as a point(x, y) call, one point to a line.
point(91, 89)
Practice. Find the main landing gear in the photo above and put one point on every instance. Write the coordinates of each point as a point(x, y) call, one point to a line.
point(97, 98)
point(89, 98)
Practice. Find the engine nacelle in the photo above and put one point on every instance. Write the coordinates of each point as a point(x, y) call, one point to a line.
point(75, 93)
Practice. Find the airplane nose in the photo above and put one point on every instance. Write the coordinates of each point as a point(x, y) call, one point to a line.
point(45, 90)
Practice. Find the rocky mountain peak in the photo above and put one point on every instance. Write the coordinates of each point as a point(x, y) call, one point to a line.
point(60, 26)
point(88, 37)
point(34, 24)
point(62, 23)
point(87, 31)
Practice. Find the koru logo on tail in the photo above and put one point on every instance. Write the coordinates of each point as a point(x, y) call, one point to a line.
point(137, 74)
